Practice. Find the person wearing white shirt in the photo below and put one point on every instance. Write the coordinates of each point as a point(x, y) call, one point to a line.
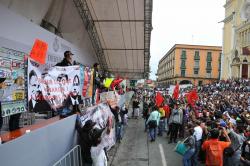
point(198, 136)
point(98, 155)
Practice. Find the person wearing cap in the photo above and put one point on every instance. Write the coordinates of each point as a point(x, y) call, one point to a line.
point(67, 60)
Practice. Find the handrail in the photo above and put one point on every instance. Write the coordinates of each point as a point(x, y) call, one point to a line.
point(72, 158)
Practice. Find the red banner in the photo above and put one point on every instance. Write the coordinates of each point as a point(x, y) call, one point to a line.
point(176, 92)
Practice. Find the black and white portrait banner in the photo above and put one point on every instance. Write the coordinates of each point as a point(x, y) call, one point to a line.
point(52, 88)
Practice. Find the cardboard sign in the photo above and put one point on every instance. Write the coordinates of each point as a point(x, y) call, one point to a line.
point(39, 51)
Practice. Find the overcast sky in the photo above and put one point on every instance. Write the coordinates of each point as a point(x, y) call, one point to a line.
point(184, 22)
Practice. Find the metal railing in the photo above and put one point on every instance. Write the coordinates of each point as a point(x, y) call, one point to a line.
point(72, 158)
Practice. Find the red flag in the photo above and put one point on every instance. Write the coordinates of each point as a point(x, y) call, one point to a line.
point(158, 99)
point(192, 97)
point(176, 92)
point(116, 82)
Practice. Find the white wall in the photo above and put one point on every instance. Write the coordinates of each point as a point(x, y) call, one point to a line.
point(41, 147)
point(17, 32)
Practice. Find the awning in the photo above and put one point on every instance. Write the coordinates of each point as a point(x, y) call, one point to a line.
point(120, 31)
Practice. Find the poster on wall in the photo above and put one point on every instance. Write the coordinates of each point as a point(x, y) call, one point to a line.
point(12, 90)
point(53, 88)
point(102, 115)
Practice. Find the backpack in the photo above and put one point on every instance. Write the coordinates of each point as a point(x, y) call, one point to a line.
point(214, 154)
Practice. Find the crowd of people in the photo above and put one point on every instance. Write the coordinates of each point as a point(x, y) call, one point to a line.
point(215, 125)
point(213, 120)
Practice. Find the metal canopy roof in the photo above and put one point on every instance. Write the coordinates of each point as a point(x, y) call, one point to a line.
point(120, 32)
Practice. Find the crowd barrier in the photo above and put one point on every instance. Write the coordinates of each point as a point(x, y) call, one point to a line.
point(42, 146)
point(72, 158)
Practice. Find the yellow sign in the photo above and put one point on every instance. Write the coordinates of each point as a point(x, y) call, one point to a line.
point(18, 95)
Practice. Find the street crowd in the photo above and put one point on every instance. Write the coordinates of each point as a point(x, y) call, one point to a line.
point(211, 121)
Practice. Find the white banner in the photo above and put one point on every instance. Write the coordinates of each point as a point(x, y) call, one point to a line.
point(102, 115)
point(52, 88)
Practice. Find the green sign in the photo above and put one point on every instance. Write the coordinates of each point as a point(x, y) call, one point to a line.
point(132, 83)
point(13, 107)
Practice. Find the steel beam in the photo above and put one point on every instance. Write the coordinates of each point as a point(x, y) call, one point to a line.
point(118, 20)
point(88, 22)
point(148, 7)
point(123, 48)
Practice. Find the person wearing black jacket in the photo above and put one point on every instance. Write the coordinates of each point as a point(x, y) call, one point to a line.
point(85, 140)
point(136, 107)
point(67, 60)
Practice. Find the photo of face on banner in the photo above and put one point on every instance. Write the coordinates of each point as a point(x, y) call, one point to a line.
point(37, 103)
point(34, 86)
point(74, 101)
point(75, 92)
point(76, 86)
point(63, 81)
point(59, 86)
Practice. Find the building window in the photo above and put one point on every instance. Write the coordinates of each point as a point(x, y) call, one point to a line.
point(209, 65)
point(183, 54)
point(197, 64)
point(219, 67)
point(209, 56)
point(183, 73)
point(196, 55)
point(208, 71)
point(196, 71)
point(209, 62)
point(183, 64)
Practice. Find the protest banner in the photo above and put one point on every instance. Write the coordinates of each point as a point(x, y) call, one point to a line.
point(102, 115)
point(86, 83)
point(12, 89)
point(91, 84)
point(52, 88)
point(109, 97)
point(39, 51)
